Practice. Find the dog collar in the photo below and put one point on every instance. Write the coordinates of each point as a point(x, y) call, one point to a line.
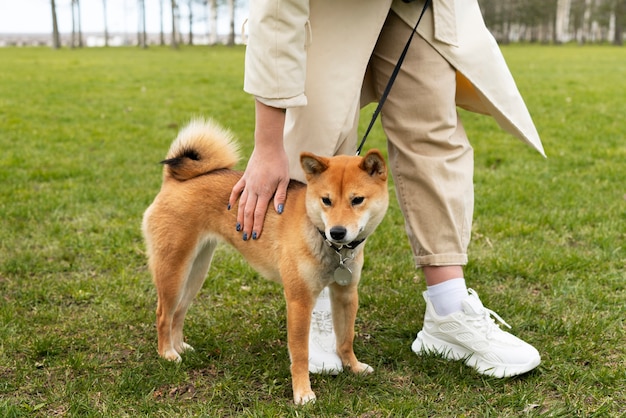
point(351, 246)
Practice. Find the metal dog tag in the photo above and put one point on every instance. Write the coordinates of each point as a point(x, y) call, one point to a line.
point(343, 275)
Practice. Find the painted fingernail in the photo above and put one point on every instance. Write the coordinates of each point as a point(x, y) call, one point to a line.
point(281, 207)
point(228, 207)
point(238, 227)
point(254, 235)
point(245, 236)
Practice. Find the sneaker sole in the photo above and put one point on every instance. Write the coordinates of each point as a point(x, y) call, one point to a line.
point(321, 370)
point(425, 343)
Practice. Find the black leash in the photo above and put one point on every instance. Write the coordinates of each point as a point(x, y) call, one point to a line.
point(394, 74)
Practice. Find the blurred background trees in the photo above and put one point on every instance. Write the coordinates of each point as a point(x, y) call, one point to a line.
point(555, 21)
point(535, 21)
point(171, 14)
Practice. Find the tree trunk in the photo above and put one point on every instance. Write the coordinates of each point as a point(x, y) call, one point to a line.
point(80, 25)
point(106, 24)
point(162, 32)
point(174, 36)
point(586, 24)
point(77, 32)
point(143, 24)
point(561, 25)
point(507, 22)
point(190, 4)
point(231, 16)
point(142, 36)
point(212, 4)
point(56, 38)
point(73, 43)
point(620, 17)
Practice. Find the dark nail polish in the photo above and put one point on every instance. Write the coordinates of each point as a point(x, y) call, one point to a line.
point(238, 227)
point(281, 207)
point(228, 207)
point(254, 235)
point(245, 236)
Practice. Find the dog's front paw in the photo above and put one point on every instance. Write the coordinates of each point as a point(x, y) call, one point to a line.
point(172, 355)
point(184, 347)
point(362, 368)
point(304, 398)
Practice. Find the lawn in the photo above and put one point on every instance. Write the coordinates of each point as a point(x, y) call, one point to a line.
point(82, 132)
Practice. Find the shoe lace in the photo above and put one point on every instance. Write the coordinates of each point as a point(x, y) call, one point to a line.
point(323, 321)
point(485, 320)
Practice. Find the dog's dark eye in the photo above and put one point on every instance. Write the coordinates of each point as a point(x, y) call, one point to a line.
point(326, 201)
point(357, 200)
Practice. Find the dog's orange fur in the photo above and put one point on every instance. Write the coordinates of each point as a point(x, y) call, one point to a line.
point(189, 216)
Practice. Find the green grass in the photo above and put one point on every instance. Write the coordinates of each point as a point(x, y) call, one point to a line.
point(81, 134)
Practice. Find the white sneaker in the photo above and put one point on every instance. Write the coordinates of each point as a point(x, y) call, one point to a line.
point(473, 336)
point(323, 356)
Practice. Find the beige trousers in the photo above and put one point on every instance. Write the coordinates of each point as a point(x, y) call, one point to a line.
point(429, 155)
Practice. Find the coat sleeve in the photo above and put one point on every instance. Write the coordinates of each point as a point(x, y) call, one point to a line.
point(275, 61)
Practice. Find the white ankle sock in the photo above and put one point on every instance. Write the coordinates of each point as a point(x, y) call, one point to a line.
point(447, 296)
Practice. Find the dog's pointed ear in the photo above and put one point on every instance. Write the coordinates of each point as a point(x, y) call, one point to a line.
point(312, 164)
point(374, 164)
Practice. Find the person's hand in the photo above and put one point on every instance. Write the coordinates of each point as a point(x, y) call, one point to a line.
point(266, 176)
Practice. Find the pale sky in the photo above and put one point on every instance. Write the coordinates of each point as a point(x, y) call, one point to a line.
point(34, 16)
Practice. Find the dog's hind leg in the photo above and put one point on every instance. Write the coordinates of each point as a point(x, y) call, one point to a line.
point(195, 279)
point(178, 275)
point(170, 278)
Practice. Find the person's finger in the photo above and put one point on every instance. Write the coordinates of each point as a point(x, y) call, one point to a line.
point(244, 200)
point(280, 197)
point(236, 192)
point(248, 211)
point(259, 215)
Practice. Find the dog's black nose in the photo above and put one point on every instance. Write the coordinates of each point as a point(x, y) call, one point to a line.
point(338, 233)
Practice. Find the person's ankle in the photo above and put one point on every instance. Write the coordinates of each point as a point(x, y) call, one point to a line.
point(447, 297)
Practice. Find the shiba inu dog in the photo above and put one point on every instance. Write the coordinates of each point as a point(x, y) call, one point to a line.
point(318, 241)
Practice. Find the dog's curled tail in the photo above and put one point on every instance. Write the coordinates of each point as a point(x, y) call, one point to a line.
point(200, 147)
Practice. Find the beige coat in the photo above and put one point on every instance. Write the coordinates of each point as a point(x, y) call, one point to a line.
point(287, 39)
